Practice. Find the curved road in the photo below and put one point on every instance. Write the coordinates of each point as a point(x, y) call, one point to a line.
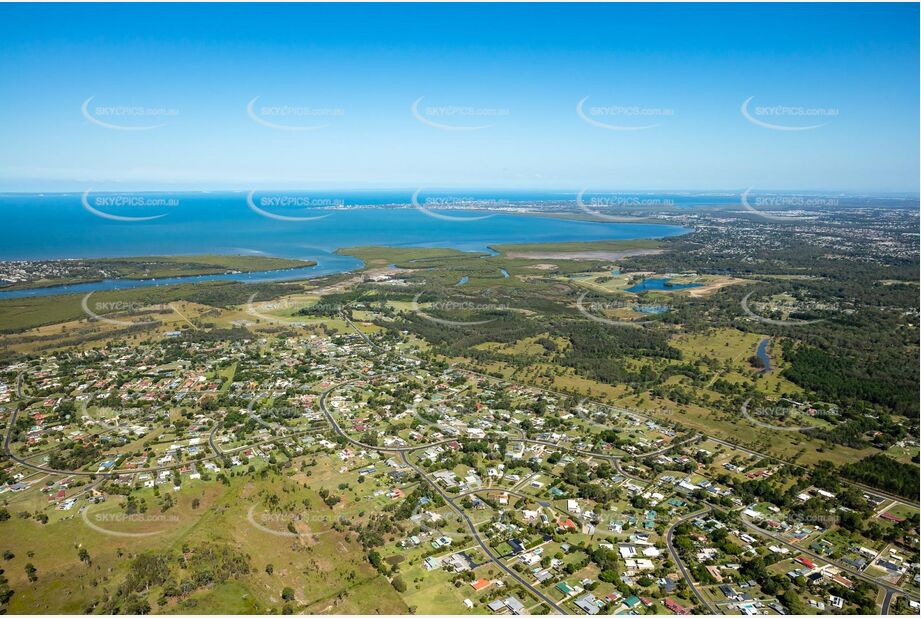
point(870, 490)
point(403, 451)
point(408, 449)
point(889, 588)
point(887, 601)
point(483, 545)
point(684, 571)
point(874, 492)
point(24, 463)
point(511, 492)
point(448, 499)
point(336, 427)
point(116, 473)
point(214, 447)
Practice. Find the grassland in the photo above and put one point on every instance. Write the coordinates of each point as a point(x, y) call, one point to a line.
point(326, 568)
point(731, 349)
point(19, 314)
point(722, 353)
point(377, 257)
point(184, 265)
point(574, 247)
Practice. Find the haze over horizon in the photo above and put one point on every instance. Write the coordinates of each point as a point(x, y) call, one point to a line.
point(401, 192)
point(778, 97)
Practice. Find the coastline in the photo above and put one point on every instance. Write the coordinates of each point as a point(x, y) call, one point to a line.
point(37, 285)
point(338, 261)
point(207, 270)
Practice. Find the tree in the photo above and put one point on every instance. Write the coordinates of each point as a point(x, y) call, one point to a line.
point(608, 576)
point(136, 604)
point(793, 602)
point(375, 559)
point(84, 555)
point(287, 593)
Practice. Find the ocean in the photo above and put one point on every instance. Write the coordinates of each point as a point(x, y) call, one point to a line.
point(303, 226)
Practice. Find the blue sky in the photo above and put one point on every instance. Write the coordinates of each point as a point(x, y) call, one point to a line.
point(500, 86)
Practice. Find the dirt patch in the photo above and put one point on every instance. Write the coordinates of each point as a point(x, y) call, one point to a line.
point(710, 288)
point(345, 284)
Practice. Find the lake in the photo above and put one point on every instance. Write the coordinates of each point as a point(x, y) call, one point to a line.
point(761, 351)
point(659, 285)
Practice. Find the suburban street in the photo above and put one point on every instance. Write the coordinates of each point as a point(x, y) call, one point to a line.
point(683, 569)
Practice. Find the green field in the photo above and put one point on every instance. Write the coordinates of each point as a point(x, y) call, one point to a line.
point(24, 313)
point(598, 245)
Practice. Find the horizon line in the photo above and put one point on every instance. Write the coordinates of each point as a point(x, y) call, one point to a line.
point(438, 189)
